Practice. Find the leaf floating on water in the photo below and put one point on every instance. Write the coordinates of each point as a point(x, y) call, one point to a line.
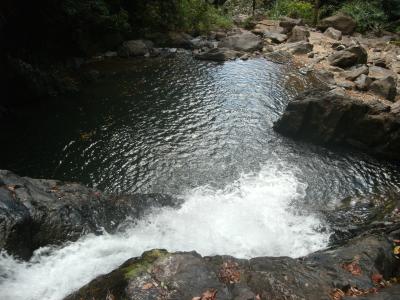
point(353, 267)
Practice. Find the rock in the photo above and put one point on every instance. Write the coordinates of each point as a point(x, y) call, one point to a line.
point(377, 73)
point(386, 87)
point(379, 62)
point(355, 72)
point(275, 37)
point(179, 40)
point(349, 57)
point(218, 54)
point(330, 118)
point(288, 23)
point(245, 41)
point(363, 82)
point(110, 54)
point(325, 76)
point(134, 48)
point(158, 274)
point(341, 22)
point(36, 213)
point(299, 33)
point(333, 33)
point(301, 47)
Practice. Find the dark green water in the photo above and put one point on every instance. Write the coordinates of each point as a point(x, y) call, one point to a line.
point(172, 124)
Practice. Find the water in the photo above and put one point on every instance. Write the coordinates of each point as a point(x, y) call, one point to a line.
point(202, 132)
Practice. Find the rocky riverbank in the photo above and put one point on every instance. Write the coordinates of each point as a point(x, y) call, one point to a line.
point(363, 261)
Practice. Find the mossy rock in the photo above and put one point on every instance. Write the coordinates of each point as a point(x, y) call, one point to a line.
point(116, 282)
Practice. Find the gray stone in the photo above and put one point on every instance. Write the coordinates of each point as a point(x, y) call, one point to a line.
point(386, 87)
point(275, 37)
point(245, 41)
point(376, 73)
point(349, 57)
point(363, 82)
point(134, 48)
point(218, 54)
point(299, 33)
point(301, 47)
point(355, 72)
point(342, 22)
point(333, 33)
point(288, 23)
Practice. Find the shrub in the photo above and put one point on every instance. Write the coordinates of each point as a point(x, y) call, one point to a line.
point(292, 8)
point(369, 15)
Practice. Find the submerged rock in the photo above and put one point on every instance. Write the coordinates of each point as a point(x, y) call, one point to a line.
point(332, 118)
point(35, 213)
point(158, 274)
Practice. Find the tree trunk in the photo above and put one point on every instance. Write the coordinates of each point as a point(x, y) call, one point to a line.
point(254, 7)
point(317, 5)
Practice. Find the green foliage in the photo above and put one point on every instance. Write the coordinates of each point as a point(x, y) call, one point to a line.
point(369, 15)
point(292, 8)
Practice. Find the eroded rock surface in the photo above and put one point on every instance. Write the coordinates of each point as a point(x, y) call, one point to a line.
point(36, 213)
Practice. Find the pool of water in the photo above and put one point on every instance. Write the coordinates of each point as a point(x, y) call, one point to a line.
point(200, 131)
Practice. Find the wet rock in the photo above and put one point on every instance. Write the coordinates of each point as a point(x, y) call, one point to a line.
point(134, 48)
point(333, 33)
point(363, 82)
point(342, 22)
point(386, 87)
point(186, 275)
point(331, 118)
point(299, 33)
point(349, 57)
point(35, 213)
point(218, 54)
point(355, 72)
point(288, 23)
point(245, 41)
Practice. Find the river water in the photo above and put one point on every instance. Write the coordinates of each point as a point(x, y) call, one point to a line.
point(202, 132)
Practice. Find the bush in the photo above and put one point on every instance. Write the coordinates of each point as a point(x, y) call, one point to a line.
point(369, 15)
point(293, 9)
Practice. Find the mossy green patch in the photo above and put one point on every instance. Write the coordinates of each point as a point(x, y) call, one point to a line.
point(144, 263)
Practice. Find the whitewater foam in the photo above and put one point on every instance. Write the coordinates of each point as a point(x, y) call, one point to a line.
point(251, 217)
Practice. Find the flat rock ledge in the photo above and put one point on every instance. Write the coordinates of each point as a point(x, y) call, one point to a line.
point(35, 213)
point(364, 264)
point(335, 118)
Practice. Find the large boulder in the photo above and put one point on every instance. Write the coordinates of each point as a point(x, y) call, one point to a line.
point(179, 40)
point(298, 48)
point(288, 23)
point(299, 33)
point(349, 57)
point(386, 87)
point(355, 72)
point(332, 118)
point(135, 48)
point(275, 37)
point(363, 82)
point(158, 274)
point(218, 54)
point(35, 213)
point(333, 33)
point(342, 22)
point(377, 73)
point(244, 41)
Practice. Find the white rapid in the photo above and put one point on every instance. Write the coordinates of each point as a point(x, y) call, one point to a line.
point(251, 217)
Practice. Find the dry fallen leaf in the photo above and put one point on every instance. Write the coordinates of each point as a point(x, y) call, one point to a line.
point(353, 267)
point(336, 294)
point(147, 286)
point(207, 295)
point(229, 273)
point(376, 278)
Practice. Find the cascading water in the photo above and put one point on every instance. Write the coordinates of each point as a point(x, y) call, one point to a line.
point(248, 218)
point(183, 127)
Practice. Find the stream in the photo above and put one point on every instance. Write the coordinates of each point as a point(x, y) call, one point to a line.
point(202, 132)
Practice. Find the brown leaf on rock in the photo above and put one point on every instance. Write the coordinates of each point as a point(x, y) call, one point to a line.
point(336, 294)
point(207, 295)
point(353, 267)
point(147, 286)
point(229, 273)
point(376, 278)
